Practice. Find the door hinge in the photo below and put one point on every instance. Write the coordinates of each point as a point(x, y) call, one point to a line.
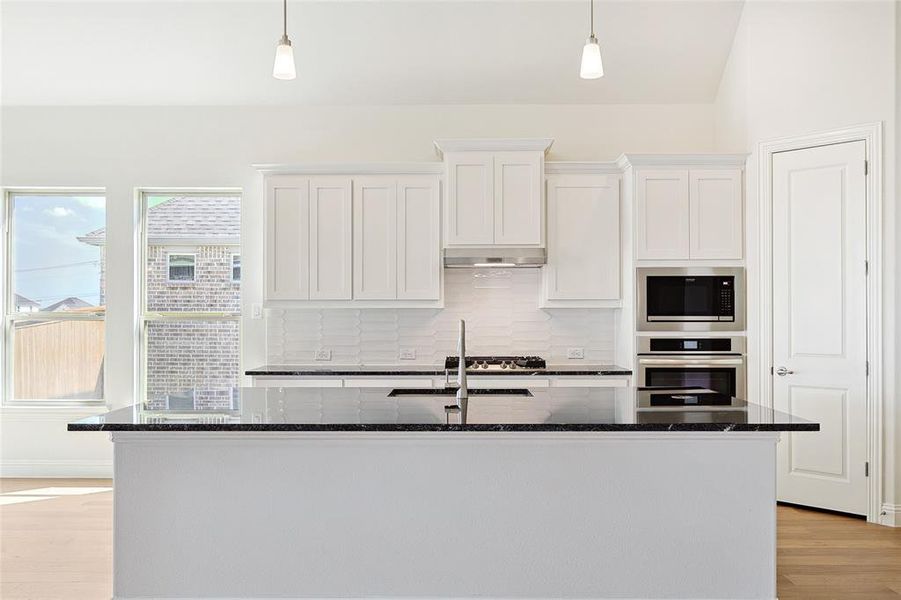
point(866, 469)
point(866, 267)
point(771, 370)
point(866, 167)
point(868, 368)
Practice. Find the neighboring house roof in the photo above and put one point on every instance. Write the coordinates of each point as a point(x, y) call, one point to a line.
point(70, 303)
point(21, 301)
point(187, 220)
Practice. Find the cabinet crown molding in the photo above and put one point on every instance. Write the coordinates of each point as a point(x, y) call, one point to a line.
point(681, 160)
point(581, 168)
point(493, 145)
point(361, 168)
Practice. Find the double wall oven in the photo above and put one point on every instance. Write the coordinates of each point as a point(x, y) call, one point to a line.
point(691, 315)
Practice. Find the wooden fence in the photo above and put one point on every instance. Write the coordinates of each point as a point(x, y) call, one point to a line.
point(58, 359)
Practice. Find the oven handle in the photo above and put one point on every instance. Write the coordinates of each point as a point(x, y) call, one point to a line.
point(689, 362)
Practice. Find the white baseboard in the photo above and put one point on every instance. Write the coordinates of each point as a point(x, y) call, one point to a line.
point(93, 469)
point(890, 515)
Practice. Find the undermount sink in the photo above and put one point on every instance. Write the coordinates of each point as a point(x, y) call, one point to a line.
point(453, 392)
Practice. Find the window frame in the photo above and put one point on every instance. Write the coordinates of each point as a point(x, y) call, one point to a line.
point(144, 316)
point(8, 316)
point(169, 279)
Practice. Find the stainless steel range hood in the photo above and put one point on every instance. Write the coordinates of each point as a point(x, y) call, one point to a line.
point(494, 257)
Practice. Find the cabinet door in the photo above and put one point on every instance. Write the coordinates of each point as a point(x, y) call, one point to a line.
point(717, 222)
point(517, 198)
point(375, 238)
point(583, 238)
point(470, 199)
point(418, 239)
point(330, 238)
point(661, 214)
point(287, 238)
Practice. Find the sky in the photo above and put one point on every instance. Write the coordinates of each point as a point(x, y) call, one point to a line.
point(49, 263)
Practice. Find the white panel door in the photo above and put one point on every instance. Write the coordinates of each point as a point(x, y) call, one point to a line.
point(517, 198)
point(469, 205)
point(583, 238)
point(661, 214)
point(418, 239)
point(375, 238)
point(819, 323)
point(330, 238)
point(716, 213)
point(287, 238)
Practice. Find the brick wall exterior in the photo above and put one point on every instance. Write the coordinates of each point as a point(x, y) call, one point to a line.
point(200, 355)
point(211, 290)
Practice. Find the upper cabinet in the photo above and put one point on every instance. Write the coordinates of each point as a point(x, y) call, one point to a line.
point(494, 192)
point(692, 209)
point(716, 213)
point(583, 241)
point(354, 240)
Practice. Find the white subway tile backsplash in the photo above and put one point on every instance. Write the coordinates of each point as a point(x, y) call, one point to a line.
point(502, 317)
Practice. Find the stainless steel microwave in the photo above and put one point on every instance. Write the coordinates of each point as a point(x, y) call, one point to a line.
point(691, 299)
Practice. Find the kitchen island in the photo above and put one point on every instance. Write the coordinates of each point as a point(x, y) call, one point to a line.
point(565, 493)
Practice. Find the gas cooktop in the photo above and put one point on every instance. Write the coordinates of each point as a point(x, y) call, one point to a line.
point(497, 363)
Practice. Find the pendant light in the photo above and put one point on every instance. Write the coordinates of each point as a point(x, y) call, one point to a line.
point(284, 53)
point(592, 66)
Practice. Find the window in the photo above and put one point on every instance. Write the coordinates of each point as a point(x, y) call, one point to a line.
point(55, 303)
point(236, 268)
point(181, 268)
point(190, 333)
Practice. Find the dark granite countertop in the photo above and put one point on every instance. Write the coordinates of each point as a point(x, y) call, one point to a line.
point(376, 410)
point(587, 370)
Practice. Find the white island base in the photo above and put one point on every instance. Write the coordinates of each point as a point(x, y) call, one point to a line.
point(445, 515)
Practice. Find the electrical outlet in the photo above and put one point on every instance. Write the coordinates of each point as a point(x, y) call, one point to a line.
point(575, 353)
point(323, 355)
point(256, 311)
point(407, 354)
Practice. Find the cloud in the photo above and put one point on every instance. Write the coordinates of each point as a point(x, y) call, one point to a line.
point(58, 211)
point(98, 202)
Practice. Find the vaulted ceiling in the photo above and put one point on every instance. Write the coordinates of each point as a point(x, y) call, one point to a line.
point(381, 52)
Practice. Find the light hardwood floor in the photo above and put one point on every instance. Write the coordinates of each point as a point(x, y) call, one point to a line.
point(61, 547)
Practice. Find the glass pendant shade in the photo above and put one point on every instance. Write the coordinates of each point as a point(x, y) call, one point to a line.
point(592, 66)
point(284, 61)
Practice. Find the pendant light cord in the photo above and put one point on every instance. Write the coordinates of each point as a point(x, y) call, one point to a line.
point(590, 18)
point(285, 19)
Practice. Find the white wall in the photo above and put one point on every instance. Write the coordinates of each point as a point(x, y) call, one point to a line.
point(121, 148)
point(802, 67)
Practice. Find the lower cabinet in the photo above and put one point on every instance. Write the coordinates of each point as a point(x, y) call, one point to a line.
point(583, 241)
point(349, 240)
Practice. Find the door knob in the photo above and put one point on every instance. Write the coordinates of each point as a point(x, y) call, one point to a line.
point(782, 372)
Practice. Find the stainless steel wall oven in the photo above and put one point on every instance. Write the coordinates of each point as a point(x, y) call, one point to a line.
point(714, 363)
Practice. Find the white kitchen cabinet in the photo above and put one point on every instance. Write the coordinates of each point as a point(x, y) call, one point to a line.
point(352, 240)
point(470, 199)
point(418, 239)
point(715, 210)
point(518, 210)
point(287, 238)
point(330, 238)
point(495, 192)
point(662, 214)
point(375, 238)
point(688, 214)
point(583, 239)
point(396, 238)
